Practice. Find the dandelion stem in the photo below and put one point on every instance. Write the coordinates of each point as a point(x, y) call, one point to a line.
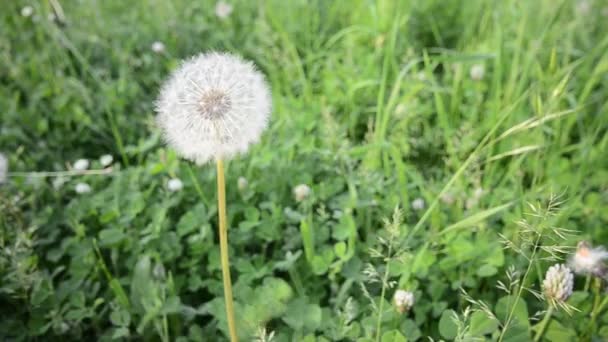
point(543, 325)
point(221, 201)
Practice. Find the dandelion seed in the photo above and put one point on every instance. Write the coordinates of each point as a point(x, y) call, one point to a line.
point(404, 300)
point(223, 9)
point(175, 184)
point(477, 72)
point(27, 11)
point(301, 192)
point(106, 160)
point(81, 164)
point(214, 106)
point(242, 184)
point(589, 260)
point(418, 204)
point(158, 47)
point(558, 284)
point(82, 188)
point(3, 168)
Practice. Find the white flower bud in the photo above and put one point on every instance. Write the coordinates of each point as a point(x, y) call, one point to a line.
point(404, 300)
point(477, 72)
point(558, 283)
point(175, 184)
point(106, 160)
point(158, 47)
point(223, 9)
point(418, 204)
point(27, 11)
point(301, 191)
point(242, 184)
point(82, 188)
point(81, 164)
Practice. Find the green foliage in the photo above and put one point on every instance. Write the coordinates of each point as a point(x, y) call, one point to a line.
point(373, 107)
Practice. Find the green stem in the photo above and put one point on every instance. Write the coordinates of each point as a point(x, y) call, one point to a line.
point(597, 307)
point(381, 305)
point(221, 201)
point(543, 324)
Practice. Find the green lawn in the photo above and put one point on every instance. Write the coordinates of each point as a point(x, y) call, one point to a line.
point(485, 122)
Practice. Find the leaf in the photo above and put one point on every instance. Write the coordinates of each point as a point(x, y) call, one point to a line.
point(486, 271)
point(481, 324)
point(393, 336)
point(301, 315)
point(111, 237)
point(475, 218)
point(447, 327)
point(557, 332)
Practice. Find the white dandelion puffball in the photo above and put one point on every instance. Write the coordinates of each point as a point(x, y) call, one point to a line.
point(301, 191)
point(558, 283)
point(223, 9)
point(175, 184)
point(27, 11)
point(404, 300)
point(242, 184)
point(418, 204)
point(214, 106)
point(82, 188)
point(3, 168)
point(477, 72)
point(158, 47)
point(106, 160)
point(589, 260)
point(81, 164)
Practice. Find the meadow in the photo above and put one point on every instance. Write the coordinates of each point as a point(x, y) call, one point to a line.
point(426, 163)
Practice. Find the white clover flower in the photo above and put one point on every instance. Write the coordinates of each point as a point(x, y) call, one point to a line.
point(558, 284)
point(589, 260)
point(301, 191)
point(175, 184)
point(82, 188)
point(242, 184)
point(223, 9)
point(27, 11)
point(583, 7)
point(3, 168)
point(404, 300)
point(106, 160)
point(447, 198)
point(158, 47)
point(214, 105)
point(418, 204)
point(81, 164)
point(477, 72)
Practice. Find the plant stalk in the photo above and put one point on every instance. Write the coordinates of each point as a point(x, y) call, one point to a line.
point(543, 324)
point(221, 202)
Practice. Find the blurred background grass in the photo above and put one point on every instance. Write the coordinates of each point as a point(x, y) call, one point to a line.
point(460, 112)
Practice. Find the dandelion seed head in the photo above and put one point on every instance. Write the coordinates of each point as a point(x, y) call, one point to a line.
point(82, 188)
point(106, 160)
point(81, 164)
point(27, 11)
point(589, 260)
point(223, 9)
point(3, 168)
point(301, 192)
point(558, 283)
point(158, 47)
point(175, 184)
point(477, 72)
point(404, 300)
point(242, 184)
point(215, 105)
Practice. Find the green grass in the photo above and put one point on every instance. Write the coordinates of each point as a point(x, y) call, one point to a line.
point(373, 107)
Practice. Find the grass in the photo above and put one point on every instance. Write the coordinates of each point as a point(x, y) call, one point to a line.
point(374, 107)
